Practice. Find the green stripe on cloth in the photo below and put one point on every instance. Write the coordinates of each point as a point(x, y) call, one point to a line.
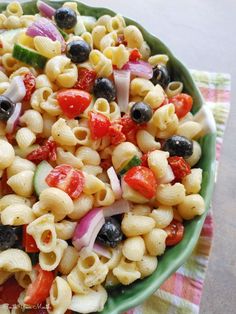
point(181, 293)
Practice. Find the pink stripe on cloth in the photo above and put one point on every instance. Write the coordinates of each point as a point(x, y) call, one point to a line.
point(215, 95)
point(184, 286)
point(178, 284)
point(207, 229)
point(218, 150)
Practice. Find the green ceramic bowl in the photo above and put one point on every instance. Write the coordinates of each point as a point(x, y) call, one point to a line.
point(124, 298)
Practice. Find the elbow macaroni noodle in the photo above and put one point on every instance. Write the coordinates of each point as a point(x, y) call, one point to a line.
point(40, 228)
point(49, 261)
point(65, 229)
point(7, 154)
point(17, 214)
point(22, 183)
point(100, 63)
point(14, 260)
point(33, 121)
point(51, 130)
point(47, 47)
point(61, 71)
point(60, 296)
point(11, 199)
point(158, 162)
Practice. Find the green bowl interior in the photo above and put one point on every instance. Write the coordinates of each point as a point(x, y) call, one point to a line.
point(123, 298)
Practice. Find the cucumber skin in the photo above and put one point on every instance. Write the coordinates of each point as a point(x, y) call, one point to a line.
point(135, 161)
point(64, 34)
point(28, 56)
point(113, 287)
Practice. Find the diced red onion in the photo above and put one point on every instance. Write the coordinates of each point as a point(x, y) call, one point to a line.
point(101, 250)
point(139, 68)
point(16, 91)
point(14, 119)
point(87, 229)
point(44, 27)
point(45, 9)
point(115, 183)
point(122, 83)
point(119, 207)
point(168, 177)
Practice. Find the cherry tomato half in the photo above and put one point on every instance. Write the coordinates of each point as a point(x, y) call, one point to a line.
point(135, 55)
point(179, 166)
point(10, 292)
point(130, 128)
point(73, 102)
point(28, 242)
point(183, 104)
point(66, 178)
point(142, 180)
point(128, 124)
point(38, 290)
point(46, 152)
point(116, 134)
point(175, 233)
point(86, 79)
point(98, 124)
point(30, 83)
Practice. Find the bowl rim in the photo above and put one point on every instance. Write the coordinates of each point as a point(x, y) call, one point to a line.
point(140, 297)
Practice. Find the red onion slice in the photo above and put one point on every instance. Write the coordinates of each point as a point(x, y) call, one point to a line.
point(87, 229)
point(122, 83)
point(139, 68)
point(95, 232)
point(45, 9)
point(115, 183)
point(101, 250)
point(119, 207)
point(44, 27)
point(16, 91)
point(14, 118)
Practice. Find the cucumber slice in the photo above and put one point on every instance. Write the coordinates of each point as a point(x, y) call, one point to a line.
point(64, 34)
point(40, 175)
point(135, 161)
point(29, 56)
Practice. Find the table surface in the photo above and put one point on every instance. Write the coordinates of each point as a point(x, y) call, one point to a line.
point(200, 33)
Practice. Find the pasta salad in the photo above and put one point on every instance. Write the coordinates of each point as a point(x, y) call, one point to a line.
point(98, 155)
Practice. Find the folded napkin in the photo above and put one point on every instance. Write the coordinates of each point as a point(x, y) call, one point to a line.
point(181, 293)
